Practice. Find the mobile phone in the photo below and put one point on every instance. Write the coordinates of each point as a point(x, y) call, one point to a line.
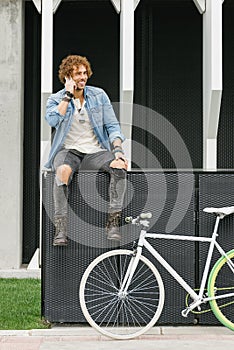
point(69, 79)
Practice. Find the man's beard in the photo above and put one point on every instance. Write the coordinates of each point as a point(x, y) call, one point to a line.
point(82, 88)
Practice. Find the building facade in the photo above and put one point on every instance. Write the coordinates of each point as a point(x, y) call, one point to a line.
point(168, 60)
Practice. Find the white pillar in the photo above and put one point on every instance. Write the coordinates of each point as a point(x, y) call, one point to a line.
point(47, 9)
point(126, 9)
point(201, 5)
point(46, 70)
point(37, 3)
point(212, 80)
point(127, 72)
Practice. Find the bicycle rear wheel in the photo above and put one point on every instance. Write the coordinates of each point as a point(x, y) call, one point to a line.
point(115, 315)
point(221, 281)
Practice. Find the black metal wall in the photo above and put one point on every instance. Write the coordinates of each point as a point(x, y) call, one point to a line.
point(91, 29)
point(226, 129)
point(63, 266)
point(215, 190)
point(168, 80)
point(32, 125)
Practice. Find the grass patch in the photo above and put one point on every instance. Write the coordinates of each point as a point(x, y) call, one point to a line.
point(20, 304)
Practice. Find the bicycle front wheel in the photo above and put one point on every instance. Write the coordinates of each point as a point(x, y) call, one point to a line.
point(109, 311)
point(221, 281)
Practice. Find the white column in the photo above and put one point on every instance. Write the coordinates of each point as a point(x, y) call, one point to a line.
point(46, 90)
point(127, 72)
point(126, 9)
point(47, 9)
point(116, 4)
point(212, 80)
point(37, 3)
point(46, 71)
point(201, 5)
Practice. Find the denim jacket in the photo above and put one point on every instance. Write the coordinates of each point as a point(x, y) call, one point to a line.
point(101, 114)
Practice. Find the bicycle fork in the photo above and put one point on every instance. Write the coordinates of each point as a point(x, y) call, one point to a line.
point(130, 272)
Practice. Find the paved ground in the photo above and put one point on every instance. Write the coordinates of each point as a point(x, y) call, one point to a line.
point(85, 338)
point(21, 273)
point(159, 338)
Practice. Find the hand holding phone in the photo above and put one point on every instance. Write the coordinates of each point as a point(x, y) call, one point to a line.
point(70, 85)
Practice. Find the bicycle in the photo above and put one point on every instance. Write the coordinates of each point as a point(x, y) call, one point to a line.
point(122, 292)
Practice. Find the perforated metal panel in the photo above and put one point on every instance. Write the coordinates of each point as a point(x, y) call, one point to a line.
point(63, 266)
point(168, 80)
point(226, 130)
point(95, 35)
point(215, 190)
point(31, 155)
point(181, 255)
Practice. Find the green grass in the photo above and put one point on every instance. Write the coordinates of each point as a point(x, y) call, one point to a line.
point(20, 304)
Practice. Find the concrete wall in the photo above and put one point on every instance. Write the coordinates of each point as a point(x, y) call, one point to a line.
point(11, 132)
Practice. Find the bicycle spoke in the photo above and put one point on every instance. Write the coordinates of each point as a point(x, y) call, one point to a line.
point(220, 285)
point(117, 313)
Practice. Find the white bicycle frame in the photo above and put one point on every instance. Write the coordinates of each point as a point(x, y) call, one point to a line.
point(198, 298)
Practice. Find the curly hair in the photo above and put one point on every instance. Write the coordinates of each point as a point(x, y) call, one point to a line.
point(68, 63)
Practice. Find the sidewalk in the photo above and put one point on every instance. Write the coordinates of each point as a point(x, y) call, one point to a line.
point(85, 338)
point(21, 273)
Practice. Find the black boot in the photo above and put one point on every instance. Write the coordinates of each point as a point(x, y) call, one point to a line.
point(60, 237)
point(112, 226)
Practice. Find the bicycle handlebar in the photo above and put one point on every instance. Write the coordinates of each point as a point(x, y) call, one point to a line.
point(129, 219)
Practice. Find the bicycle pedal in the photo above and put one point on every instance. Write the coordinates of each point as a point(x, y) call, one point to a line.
point(185, 312)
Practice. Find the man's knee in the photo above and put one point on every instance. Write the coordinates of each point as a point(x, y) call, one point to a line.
point(118, 173)
point(63, 174)
point(119, 164)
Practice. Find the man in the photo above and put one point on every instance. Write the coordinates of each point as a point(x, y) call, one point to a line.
point(87, 137)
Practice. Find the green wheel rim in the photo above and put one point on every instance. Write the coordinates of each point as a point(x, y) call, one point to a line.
point(211, 288)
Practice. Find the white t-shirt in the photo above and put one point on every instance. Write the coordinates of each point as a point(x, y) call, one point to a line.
point(81, 136)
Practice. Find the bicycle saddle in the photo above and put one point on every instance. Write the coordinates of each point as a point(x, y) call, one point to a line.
point(220, 211)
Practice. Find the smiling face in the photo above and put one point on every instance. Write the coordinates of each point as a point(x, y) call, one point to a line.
point(80, 76)
point(76, 67)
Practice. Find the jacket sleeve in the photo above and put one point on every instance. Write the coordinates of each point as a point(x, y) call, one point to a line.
point(53, 117)
point(111, 123)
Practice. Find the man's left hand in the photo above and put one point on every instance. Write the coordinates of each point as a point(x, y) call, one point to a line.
point(120, 162)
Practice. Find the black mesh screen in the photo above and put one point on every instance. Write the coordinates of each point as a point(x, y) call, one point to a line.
point(226, 130)
point(63, 266)
point(168, 80)
point(91, 29)
point(31, 156)
point(215, 190)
